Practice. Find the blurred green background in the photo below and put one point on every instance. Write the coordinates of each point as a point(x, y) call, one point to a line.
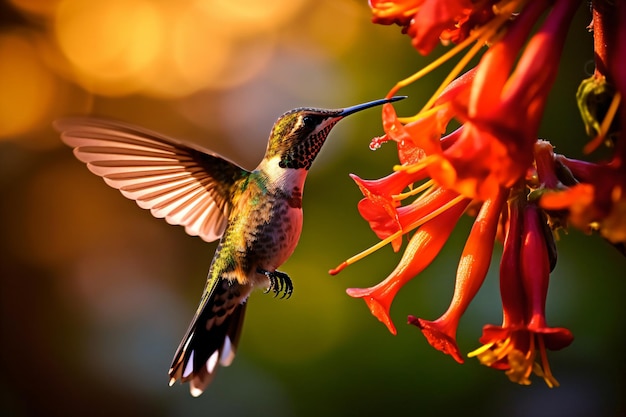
point(96, 294)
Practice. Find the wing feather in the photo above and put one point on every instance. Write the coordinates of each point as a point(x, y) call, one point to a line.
point(185, 184)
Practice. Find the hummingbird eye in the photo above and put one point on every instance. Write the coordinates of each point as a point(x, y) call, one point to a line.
point(309, 121)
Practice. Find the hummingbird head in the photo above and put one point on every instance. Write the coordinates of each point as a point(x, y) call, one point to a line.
point(298, 135)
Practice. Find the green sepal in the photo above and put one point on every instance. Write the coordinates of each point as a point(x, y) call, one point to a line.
point(594, 97)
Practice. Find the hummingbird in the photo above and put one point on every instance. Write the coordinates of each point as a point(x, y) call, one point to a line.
point(257, 215)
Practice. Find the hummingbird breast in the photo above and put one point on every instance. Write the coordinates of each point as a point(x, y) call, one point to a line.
point(278, 231)
point(265, 225)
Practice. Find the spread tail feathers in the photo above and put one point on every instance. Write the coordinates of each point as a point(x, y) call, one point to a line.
point(211, 339)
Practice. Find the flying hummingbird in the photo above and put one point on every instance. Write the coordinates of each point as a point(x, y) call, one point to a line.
point(257, 214)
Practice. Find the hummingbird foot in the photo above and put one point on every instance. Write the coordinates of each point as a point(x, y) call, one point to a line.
point(279, 282)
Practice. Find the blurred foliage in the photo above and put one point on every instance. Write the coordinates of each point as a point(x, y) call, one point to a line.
point(95, 293)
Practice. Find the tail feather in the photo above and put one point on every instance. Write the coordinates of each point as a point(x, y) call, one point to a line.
point(208, 342)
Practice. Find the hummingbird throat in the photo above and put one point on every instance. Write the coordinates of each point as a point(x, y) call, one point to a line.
point(304, 153)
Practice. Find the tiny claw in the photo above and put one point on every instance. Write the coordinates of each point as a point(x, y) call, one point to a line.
point(279, 282)
point(271, 278)
point(285, 285)
point(288, 290)
point(279, 285)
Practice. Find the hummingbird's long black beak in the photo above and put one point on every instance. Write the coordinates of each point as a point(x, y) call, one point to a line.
point(353, 109)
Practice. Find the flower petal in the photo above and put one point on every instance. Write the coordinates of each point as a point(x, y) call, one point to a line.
point(420, 252)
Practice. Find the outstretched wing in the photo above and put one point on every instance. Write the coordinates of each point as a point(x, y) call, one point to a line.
point(185, 184)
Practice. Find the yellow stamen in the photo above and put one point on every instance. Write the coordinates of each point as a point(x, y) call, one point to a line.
point(483, 34)
point(454, 73)
point(480, 350)
point(604, 126)
point(530, 356)
point(519, 367)
point(415, 191)
point(413, 168)
point(433, 65)
point(397, 234)
point(504, 348)
point(522, 365)
point(423, 114)
point(546, 372)
point(394, 9)
point(493, 352)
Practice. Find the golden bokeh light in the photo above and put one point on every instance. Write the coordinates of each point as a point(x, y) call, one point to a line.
point(197, 54)
point(346, 16)
point(168, 49)
point(27, 87)
point(198, 51)
point(110, 44)
point(251, 17)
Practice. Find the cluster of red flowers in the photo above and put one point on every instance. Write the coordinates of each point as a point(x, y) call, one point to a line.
point(495, 164)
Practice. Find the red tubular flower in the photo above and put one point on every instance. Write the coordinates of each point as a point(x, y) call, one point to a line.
point(535, 262)
point(437, 19)
point(499, 341)
point(386, 12)
point(422, 137)
point(426, 21)
point(494, 158)
point(420, 252)
point(382, 197)
point(473, 266)
point(503, 113)
point(413, 213)
point(380, 208)
point(598, 202)
point(524, 275)
point(511, 290)
point(409, 151)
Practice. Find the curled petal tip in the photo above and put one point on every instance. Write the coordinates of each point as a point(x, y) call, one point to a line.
point(437, 338)
point(555, 338)
point(358, 292)
point(378, 308)
point(381, 312)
